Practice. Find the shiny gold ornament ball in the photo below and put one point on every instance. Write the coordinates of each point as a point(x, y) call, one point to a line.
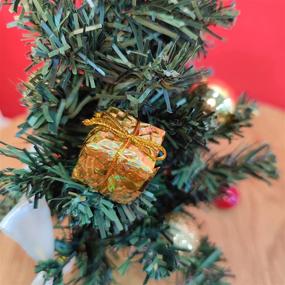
point(217, 99)
point(184, 232)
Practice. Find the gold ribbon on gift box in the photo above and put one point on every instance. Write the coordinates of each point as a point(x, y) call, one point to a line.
point(106, 122)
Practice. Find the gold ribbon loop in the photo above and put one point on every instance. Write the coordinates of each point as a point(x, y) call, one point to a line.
point(109, 123)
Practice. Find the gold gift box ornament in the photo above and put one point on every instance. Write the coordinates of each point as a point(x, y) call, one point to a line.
point(119, 155)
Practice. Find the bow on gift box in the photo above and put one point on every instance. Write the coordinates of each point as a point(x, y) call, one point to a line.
point(108, 123)
point(32, 229)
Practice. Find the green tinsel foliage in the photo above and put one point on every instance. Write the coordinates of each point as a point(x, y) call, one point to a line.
point(131, 55)
point(124, 53)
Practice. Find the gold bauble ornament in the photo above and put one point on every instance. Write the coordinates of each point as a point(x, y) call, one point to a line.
point(184, 232)
point(217, 99)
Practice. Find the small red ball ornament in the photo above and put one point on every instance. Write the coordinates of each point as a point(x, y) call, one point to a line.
point(78, 3)
point(228, 199)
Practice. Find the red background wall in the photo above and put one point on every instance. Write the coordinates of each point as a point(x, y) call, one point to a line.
point(252, 58)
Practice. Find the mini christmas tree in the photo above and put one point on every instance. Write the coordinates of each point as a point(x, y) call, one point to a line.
point(119, 183)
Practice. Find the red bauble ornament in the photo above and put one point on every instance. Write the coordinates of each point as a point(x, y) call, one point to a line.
point(78, 3)
point(228, 199)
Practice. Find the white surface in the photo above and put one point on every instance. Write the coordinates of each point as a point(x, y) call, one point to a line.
point(31, 228)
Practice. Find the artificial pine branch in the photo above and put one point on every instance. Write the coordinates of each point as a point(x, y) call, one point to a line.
point(204, 179)
point(132, 55)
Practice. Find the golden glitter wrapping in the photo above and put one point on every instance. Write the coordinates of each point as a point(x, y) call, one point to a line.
point(119, 164)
